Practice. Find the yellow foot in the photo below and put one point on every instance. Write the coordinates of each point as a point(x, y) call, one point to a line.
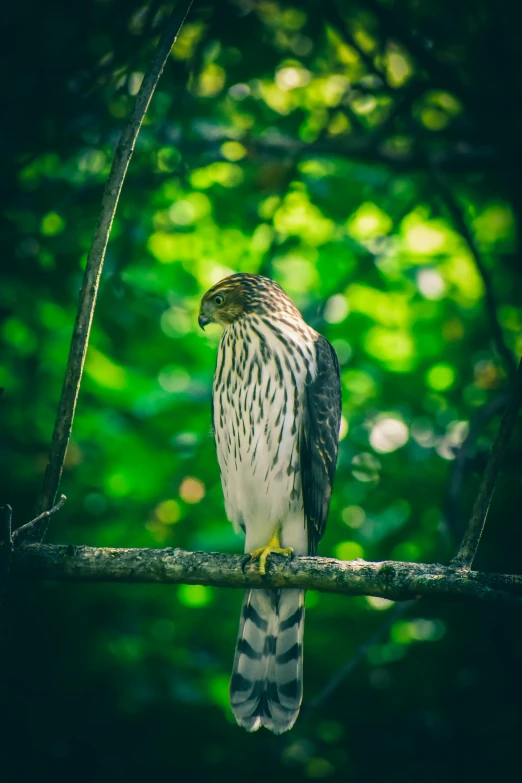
point(273, 547)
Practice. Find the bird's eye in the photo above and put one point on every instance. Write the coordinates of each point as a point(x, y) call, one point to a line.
point(219, 300)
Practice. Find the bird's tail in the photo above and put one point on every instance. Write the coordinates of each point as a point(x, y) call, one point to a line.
point(267, 679)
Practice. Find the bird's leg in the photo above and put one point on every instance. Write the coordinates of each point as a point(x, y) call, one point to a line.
point(273, 547)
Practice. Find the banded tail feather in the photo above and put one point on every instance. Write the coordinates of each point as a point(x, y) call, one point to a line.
point(267, 678)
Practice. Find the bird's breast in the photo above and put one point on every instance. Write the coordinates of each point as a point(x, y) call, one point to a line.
point(258, 406)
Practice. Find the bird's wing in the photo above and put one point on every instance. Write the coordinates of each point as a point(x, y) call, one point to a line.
point(319, 440)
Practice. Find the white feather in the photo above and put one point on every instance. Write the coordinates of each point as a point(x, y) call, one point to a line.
point(260, 491)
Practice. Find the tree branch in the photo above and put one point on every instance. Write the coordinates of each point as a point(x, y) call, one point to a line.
point(458, 157)
point(457, 216)
point(398, 611)
point(463, 455)
point(36, 529)
point(93, 269)
point(389, 579)
point(471, 540)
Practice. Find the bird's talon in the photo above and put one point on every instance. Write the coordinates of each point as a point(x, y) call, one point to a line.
point(273, 548)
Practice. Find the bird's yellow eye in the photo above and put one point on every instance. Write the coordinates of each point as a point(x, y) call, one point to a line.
point(219, 299)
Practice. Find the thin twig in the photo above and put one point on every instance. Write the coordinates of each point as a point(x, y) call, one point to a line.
point(382, 631)
point(93, 269)
point(462, 457)
point(471, 540)
point(391, 579)
point(457, 216)
point(36, 529)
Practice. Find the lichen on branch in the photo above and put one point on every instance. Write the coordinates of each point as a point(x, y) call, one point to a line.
point(390, 579)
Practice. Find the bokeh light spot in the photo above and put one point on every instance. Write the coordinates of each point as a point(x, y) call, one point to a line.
point(192, 490)
point(366, 467)
point(175, 322)
point(440, 377)
point(422, 237)
point(174, 379)
point(430, 283)
point(380, 604)
point(52, 224)
point(290, 78)
point(360, 385)
point(348, 550)
point(118, 485)
point(168, 512)
point(368, 222)
point(318, 768)
point(104, 372)
point(182, 213)
point(233, 150)
point(353, 516)
point(16, 333)
point(195, 596)
point(336, 309)
point(134, 82)
point(219, 691)
point(391, 346)
point(388, 434)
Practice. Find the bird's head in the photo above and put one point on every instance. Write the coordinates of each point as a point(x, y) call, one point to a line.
point(242, 294)
point(223, 304)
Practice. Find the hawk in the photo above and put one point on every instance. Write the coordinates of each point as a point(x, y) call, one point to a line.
point(276, 414)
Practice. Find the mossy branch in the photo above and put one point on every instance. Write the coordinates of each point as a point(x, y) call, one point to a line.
point(390, 579)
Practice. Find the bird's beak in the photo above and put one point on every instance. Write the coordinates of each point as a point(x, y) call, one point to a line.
point(203, 321)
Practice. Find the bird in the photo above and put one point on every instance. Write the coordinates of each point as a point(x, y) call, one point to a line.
point(276, 413)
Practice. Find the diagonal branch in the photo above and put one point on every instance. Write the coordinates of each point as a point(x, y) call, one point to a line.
point(471, 540)
point(389, 579)
point(36, 529)
point(93, 269)
point(462, 457)
point(381, 633)
point(457, 216)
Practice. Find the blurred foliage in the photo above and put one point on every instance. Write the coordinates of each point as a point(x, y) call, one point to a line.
point(296, 141)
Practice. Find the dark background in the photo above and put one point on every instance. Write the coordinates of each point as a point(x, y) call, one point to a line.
point(365, 155)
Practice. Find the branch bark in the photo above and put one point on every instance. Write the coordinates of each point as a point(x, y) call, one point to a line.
point(93, 269)
point(36, 529)
point(472, 536)
point(388, 579)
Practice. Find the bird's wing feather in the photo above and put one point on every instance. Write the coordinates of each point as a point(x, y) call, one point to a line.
point(319, 440)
